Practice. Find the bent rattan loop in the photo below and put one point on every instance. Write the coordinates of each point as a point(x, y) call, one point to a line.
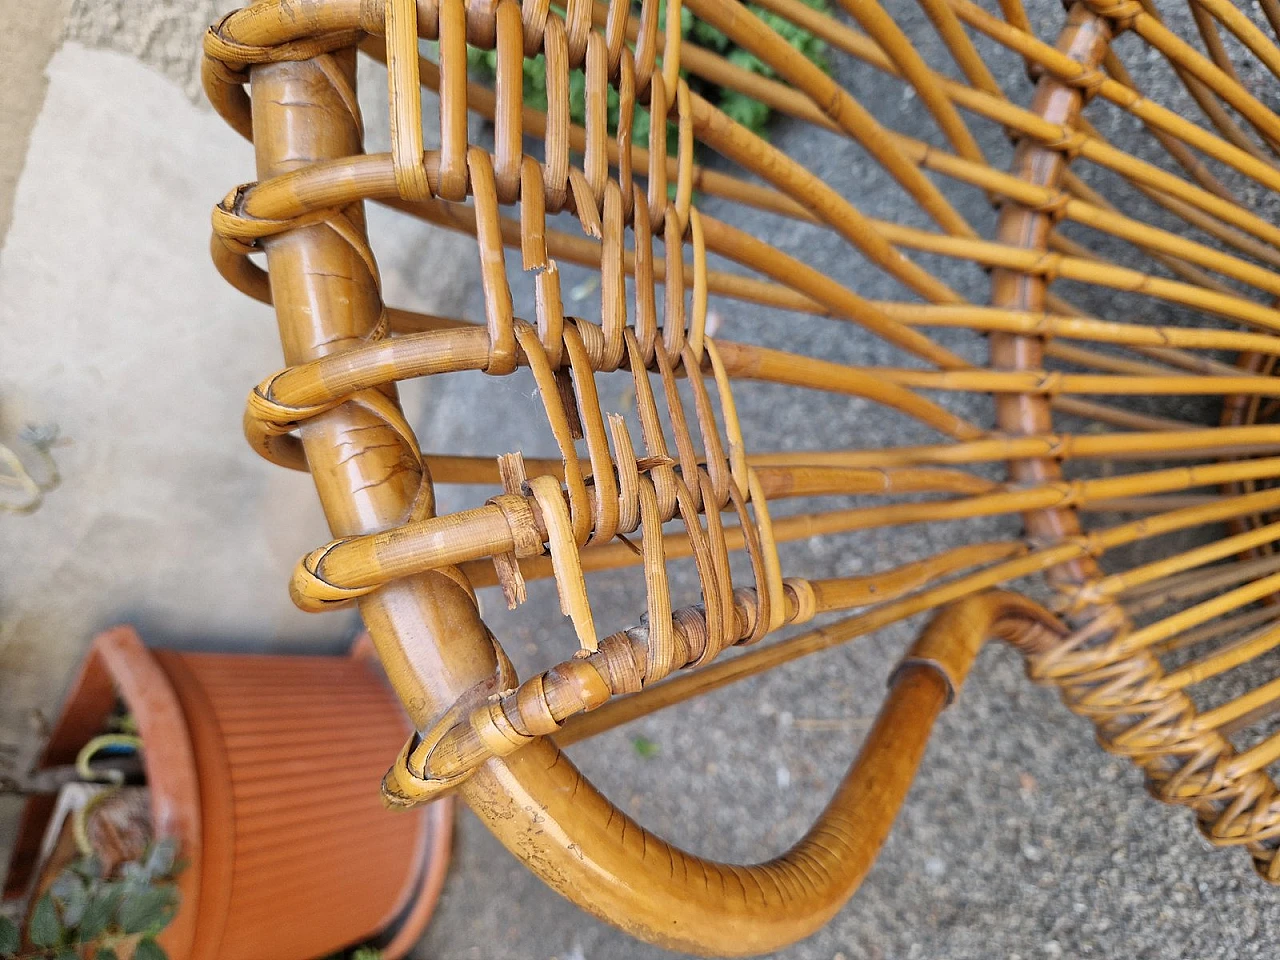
point(1077, 376)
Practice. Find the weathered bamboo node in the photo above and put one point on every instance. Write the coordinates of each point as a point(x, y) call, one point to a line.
point(1123, 278)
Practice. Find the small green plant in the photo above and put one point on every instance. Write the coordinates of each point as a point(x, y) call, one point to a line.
point(645, 748)
point(359, 953)
point(87, 916)
point(749, 112)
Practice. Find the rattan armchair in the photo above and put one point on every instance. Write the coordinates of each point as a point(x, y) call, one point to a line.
point(1088, 412)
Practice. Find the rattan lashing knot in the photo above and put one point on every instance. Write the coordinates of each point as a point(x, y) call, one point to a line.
point(269, 420)
point(1047, 266)
point(1088, 82)
point(312, 592)
point(1069, 143)
point(1054, 205)
point(237, 231)
point(242, 231)
point(1203, 776)
point(237, 56)
point(1120, 14)
point(279, 418)
point(1167, 726)
point(412, 779)
point(1050, 384)
point(1083, 650)
point(801, 593)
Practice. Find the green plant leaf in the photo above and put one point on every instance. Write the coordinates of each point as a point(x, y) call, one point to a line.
point(578, 96)
point(99, 913)
point(135, 875)
point(535, 82)
point(106, 953)
point(749, 61)
point(46, 929)
point(745, 110)
point(10, 939)
point(147, 911)
point(645, 747)
point(89, 867)
point(148, 949)
point(162, 857)
point(640, 127)
point(705, 35)
point(742, 109)
point(66, 953)
point(366, 953)
point(72, 896)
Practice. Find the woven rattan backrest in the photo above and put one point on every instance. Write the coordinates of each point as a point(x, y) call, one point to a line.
point(1129, 323)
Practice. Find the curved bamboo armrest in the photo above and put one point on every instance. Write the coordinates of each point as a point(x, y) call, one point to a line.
point(595, 854)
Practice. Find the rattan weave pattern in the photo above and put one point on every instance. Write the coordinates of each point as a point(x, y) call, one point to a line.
point(1070, 386)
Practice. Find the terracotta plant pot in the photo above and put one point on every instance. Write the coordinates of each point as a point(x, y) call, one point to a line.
point(266, 770)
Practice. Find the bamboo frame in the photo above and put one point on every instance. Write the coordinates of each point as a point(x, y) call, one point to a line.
point(658, 490)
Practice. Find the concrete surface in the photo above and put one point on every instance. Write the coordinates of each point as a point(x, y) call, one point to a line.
point(163, 34)
point(29, 33)
point(1020, 839)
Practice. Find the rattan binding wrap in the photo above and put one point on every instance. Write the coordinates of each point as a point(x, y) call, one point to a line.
point(678, 481)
